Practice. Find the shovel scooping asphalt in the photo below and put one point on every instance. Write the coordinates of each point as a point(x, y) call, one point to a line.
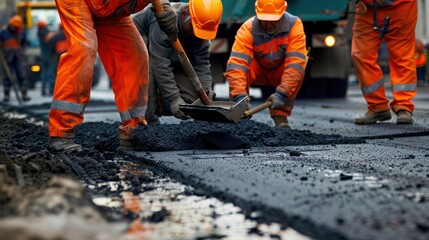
point(203, 109)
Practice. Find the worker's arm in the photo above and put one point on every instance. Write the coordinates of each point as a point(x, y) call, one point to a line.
point(200, 59)
point(295, 61)
point(160, 54)
point(239, 61)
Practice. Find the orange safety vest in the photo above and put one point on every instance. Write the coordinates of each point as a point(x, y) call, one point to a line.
point(286, 51)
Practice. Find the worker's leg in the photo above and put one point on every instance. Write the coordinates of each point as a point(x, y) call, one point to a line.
point(75, 70)
point(365, 45)
point(401, 45)
point(7, 85)
point(125, 58)
point(261, 77)
point(22, 78)
point(154, 103)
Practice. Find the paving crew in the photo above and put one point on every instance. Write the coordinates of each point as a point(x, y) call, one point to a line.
point(107, 27)
point(12, 42)
point(420, 60)
point(57, 46)
point(270, 50)
point(44, 35)
point(395, 22)
point(198, 22)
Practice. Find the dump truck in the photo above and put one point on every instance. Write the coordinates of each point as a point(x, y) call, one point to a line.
point(325, 25)
point(32, 12)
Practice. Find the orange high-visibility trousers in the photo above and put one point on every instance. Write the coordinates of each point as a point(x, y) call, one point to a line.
point(400, 40)
point(262, 77)
point(124, 56)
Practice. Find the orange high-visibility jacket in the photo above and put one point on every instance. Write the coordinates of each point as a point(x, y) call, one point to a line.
point(286, 49)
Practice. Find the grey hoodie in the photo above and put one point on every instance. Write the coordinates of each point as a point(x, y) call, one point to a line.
point(163, 59)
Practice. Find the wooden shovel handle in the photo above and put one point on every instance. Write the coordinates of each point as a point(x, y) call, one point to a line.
point(257, 109)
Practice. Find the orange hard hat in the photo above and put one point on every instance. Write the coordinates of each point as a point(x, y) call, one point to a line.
point(16, 21)
point(270, 10)
point(42, 23)
point(205, 17)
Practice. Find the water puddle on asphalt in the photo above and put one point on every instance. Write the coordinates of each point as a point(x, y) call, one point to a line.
point(170, 210)
point(370, 181)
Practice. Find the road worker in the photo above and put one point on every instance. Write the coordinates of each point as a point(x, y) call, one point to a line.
point(57, 46)
point(44, 35)
point(269, 50)
point(12, 42)
point(394, 22)
point(420, 60)
point(198, 22)
point(107, 27)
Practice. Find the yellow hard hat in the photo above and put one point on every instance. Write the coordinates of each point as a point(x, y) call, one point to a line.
point(205, 17)
point(16, 21)
point(270, 10)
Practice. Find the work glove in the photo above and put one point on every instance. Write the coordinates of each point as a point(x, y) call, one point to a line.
point(174, 107)
point(278, 99)
point(167, 21)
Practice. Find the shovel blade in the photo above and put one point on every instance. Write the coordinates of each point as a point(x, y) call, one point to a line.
point(218, 111)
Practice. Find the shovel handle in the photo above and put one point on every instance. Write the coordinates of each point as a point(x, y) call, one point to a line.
point(184, 61)
point(257, 109)
point(10, 76)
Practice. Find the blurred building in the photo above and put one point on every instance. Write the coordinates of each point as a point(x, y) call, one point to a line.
point(422, 29)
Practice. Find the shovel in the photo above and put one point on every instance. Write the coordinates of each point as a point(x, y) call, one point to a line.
point(257, 109)
point(10, 76)
point(203, 109)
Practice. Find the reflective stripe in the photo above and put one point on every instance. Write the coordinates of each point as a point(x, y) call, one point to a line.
point(77, 108)
point(374, 87)
point(132, 113)
point(404, 87)
point(296, 54)
point(243, 56)
point(384, 3)
point(232, 66)
point(296, 66)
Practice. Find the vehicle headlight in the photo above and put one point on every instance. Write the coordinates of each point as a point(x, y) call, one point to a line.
point(330, 41)
point(35, 68)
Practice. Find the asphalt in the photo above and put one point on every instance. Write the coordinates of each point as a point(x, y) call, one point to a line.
point(378, 189)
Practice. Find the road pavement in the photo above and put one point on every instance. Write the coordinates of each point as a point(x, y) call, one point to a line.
point(375, 190)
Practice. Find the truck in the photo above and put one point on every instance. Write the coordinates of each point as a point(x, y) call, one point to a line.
point(32, 12)
point(326, 27)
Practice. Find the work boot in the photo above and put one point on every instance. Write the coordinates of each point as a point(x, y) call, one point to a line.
point(25, 97)
point(67, 145)
point(281, 121)
point(404, 117)
point(371, 118)
point(6, 96)
point(127, 141)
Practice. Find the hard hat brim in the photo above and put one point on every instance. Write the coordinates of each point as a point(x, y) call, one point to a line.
point(268, 17)
point(204, 34)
